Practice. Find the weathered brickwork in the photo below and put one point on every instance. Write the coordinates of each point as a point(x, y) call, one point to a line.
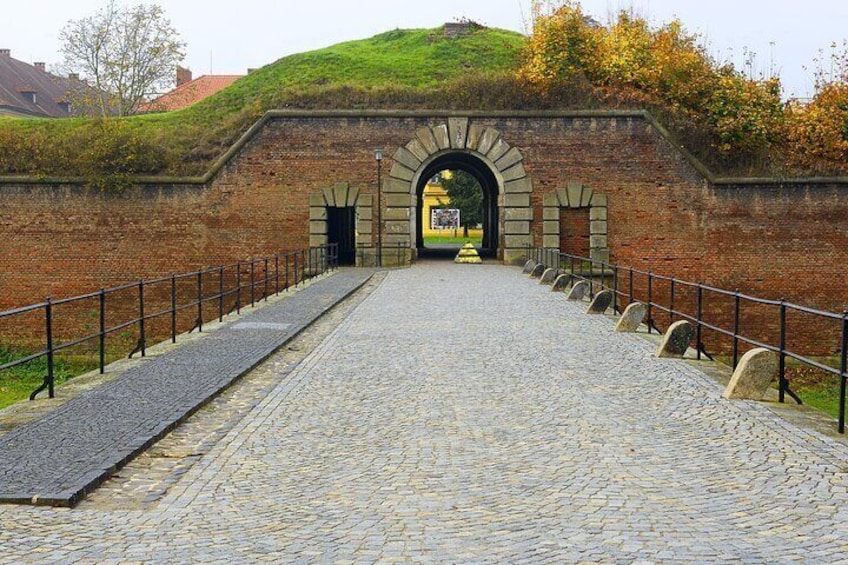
point(775, 240)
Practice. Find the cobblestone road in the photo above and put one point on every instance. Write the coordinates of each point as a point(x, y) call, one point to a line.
point(464, 414)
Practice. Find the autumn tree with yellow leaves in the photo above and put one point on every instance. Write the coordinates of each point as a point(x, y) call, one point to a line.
point(662, 66)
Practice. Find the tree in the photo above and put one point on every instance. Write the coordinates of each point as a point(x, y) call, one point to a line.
point(125, 54)
point(465, 194)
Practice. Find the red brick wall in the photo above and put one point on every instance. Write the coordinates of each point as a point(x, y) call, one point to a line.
point(574, 231)
point(774, 241)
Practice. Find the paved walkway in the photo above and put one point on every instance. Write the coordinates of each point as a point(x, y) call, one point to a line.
point(464, 414)
point(56, 459)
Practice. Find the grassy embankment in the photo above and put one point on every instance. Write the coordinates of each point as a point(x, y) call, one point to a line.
point(399, 69)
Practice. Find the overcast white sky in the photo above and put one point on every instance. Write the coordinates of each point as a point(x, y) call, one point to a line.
point(227, 37)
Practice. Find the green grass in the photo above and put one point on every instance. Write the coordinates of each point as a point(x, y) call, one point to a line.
point(401, 68)
point(17, 383)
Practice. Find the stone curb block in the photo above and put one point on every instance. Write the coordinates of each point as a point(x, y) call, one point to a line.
point(529, 266)
point(600, 303)
point(548, 276)
point(537, 271)
point(578, 291)
point(632, 317)
point(754, 373)
point(676, 340)
point(560, 283)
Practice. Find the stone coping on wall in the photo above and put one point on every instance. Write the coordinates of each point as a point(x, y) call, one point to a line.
point(709, 176)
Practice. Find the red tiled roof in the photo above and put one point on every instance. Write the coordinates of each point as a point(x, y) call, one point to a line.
point(190, 93)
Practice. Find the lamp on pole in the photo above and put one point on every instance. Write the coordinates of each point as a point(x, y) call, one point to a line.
point(378, 155)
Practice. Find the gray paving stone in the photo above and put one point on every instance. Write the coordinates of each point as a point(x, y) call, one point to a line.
point(57, 459)
point(441, 423)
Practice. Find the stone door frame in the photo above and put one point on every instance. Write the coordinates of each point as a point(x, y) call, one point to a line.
point(341, 195)
point(577, 195)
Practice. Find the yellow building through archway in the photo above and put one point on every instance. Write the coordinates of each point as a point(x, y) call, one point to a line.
point(436, 197)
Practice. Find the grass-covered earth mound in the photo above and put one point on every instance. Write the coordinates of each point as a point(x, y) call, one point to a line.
point(420, 68)
point(735, 124)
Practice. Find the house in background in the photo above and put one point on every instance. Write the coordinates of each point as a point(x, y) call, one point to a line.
point(30, 91)
point(189, 91)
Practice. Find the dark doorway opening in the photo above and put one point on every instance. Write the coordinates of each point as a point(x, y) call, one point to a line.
point(341, 226)
point(465, 162)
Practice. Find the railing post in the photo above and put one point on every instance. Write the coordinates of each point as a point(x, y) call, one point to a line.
point(142, 340)
point(200, 301)
point(296, 253)
point(843, 368)
point(173, 309)
point(700, 308)
point(102, 300)
point(782, 365)
point(287, 270)
point(276, 273)
point(221, 293)
point(238, 287)
point(265, 281)
point(671, 305)
point(630, 293)
point(735, 328)
point(650, 319)
point(252, 282)
point(615, 308)
point(571, 275)
point(48, 319)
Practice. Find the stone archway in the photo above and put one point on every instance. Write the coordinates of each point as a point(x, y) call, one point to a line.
point(460, 141)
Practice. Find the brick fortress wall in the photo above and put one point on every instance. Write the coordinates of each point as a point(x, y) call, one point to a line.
point(776, 241)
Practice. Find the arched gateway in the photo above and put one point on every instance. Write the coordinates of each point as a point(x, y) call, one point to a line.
point(479, 150)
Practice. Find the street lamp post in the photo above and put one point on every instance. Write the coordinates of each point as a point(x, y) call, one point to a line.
point(378, 155)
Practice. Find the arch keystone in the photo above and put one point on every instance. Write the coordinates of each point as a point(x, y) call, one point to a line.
point(458, 130)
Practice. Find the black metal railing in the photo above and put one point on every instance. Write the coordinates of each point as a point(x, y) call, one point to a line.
point(204, 295)
point(684, 300)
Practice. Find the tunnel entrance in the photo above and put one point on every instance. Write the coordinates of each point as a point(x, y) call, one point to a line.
point(451, 168)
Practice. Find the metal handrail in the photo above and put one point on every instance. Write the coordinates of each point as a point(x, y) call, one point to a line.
point(297, 266)
point(554, 258)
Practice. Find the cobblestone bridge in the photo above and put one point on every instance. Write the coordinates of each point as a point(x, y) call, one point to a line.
point(462, 414)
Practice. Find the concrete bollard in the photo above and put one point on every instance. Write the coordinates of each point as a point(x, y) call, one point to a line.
point(529, 266)
point(560, 283)
point(548, 276)
point(578, 291)
point(537, 271)
point(601, 302)
point(753, 374)
point(676, 339)
point(632, 318)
